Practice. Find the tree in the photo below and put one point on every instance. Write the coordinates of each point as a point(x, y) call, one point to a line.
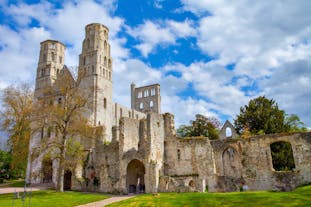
point(202, 126)
point(16, 111)
point(63, 124)
point(261, 116)
point(5, 160)
point(293, 123)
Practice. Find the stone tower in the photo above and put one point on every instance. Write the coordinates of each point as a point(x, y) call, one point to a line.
point(146, 99)
point(95, 63)
point(51, 62)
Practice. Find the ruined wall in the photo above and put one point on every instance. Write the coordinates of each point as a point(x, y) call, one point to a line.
point(188, 164)
point(227, 165)
point(251, 163)
point(120, 111)
point(146, 98)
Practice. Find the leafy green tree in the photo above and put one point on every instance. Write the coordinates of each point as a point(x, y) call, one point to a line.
point(5, 160)
point(202, 126)
point(261, 116)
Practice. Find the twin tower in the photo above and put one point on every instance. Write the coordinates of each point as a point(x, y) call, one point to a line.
point(96, 63)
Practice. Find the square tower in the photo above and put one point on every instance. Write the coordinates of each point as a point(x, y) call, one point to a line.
point(146, 98)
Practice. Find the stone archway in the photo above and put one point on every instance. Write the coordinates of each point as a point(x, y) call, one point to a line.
point(47, 171)
point(67, 180)
point(135, 177)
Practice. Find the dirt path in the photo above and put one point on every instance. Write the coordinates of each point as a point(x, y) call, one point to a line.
point(16, 189)
point(107, 201)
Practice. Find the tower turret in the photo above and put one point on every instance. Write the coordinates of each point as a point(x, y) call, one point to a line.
point(95, 64)
point(51, 62)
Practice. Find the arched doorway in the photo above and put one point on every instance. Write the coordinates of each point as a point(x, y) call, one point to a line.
point(67, 180)
point(47, 171)
point(135, 177)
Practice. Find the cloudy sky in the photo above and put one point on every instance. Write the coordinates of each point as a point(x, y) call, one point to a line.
point(210, 56)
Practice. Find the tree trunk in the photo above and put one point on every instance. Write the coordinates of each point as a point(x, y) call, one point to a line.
point(60, 179)
point(61, 170)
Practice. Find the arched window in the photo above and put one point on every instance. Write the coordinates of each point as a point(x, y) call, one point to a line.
point(44, 57)
point(88, 43)
point(53, 56)
point(105, 103)
point(140, 94)
point(228, 132)
point(109, 63)
point(120, 112)
point(151, 104)
point(146, 93)
point(191, 183)
point(42, 72)
point(105, 61)
point(109, 75)
point(152, 92)
point(231, 163)
point(105, 46)
point(282, 156)
point(93, 69)
point(84, 60)
point(141, 105)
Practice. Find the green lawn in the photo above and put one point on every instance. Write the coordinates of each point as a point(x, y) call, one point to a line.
point(13, 183)
point(49, 198)
point(300, 197)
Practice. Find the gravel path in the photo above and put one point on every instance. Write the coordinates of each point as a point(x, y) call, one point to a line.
point(107, 201)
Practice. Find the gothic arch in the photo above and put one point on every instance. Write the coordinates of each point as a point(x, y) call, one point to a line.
point(135, 177)
point(231, 163)
point(47, 170)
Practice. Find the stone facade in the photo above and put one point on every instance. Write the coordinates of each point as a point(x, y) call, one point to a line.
point(140, 151)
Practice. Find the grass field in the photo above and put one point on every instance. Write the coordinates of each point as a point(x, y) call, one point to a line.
point(300, 197)
point(50, 198)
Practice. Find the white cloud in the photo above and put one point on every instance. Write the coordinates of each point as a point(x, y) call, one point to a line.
point(151, 34)
point(261, 35)
point(290, 86)
point(213, 82)
point(262, 39)
point(17, 56)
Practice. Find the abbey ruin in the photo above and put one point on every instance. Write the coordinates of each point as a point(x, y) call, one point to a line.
point(141, 151)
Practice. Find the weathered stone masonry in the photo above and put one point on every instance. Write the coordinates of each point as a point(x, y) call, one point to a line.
point(140, 151)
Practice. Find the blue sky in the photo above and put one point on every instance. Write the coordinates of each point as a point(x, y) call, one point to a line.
point(210, 57)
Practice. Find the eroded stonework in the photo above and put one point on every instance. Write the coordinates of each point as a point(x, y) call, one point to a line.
point(140, 151)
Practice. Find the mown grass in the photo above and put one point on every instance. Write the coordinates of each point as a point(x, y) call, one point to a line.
point(300, 197)
point(13, 183)
point(49, 198)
